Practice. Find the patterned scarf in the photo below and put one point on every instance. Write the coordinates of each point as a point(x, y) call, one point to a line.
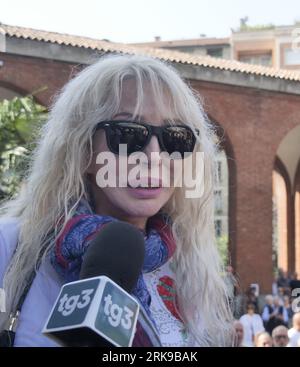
point(67, 254)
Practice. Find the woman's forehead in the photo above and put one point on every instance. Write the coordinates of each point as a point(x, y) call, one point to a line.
point(132, 92)
point(146, 106)
point(166, 118)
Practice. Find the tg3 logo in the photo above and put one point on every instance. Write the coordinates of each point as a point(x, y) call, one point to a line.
point(67, 305)
point(116, 314)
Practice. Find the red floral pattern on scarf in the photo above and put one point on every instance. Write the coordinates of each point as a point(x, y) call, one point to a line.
point(166, 290)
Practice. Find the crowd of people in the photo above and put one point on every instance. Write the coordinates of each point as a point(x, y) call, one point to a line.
point(274, 324)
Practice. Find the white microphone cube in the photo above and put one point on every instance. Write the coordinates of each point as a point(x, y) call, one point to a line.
point(88, 309)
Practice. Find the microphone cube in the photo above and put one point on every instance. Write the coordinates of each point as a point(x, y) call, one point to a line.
point(93, 312)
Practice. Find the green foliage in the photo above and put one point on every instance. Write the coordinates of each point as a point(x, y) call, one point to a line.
point(257, 27)
point(222, 243)
point(245, 27)
point(20, 119)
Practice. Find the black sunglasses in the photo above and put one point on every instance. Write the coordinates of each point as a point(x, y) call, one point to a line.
point(136, 135)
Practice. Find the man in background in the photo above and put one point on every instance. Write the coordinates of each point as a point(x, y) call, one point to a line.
point(280, 336)
point(294, 332)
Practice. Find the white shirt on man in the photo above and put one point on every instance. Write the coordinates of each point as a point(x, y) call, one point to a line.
point(252, 324)
point(294, 337)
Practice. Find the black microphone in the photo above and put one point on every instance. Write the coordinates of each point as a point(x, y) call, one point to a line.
point(117, 252)
point(98, 310)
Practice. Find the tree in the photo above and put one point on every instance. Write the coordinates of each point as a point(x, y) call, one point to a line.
point(20, 119)
point(222, 244)
point(245, 27)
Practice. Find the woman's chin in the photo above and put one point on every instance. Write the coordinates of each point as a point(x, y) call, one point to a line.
point(142, 208)
point(130, 203)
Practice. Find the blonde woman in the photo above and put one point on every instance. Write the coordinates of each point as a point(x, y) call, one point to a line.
point(144, 104)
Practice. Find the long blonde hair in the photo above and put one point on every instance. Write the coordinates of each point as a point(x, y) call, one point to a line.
point(57, 178)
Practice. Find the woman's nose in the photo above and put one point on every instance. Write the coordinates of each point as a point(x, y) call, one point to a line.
point(153, 147)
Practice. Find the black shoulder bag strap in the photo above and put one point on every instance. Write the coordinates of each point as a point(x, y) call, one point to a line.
point(7, 336)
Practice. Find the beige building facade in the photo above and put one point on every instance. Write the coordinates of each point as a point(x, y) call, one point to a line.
point(278, 47)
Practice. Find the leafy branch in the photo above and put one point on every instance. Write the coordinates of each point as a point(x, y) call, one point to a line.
point(20, 120)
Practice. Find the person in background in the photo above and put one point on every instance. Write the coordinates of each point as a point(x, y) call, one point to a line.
point(239, 333)
point(274, 287)
point(280, 336)
point(281, 292)
point(282, 279)
point(294, 282)
point(281, 317)
point(287, 305)
point(294, 332)
point(267, 311)
point(263, 339)
point(251, 298)
point(252, 324)
point(283, 282)
point(274, 313)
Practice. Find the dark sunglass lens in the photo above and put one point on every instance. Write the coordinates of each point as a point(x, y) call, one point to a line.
point(132, 134)
point(178, 139)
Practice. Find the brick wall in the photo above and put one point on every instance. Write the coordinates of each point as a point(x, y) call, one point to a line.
point(25, 75)
point(254, 121)
point(297, 220)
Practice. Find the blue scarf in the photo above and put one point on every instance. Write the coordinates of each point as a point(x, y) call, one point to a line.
point(67, 255)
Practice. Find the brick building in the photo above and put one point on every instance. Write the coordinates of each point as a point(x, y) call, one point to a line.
point(257, 113)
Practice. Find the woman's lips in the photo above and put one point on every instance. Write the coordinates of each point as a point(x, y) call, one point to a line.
point(147, 182)
point(145, 193)
point(148, 188)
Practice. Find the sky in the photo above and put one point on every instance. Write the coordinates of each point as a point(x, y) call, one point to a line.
point(141, 20)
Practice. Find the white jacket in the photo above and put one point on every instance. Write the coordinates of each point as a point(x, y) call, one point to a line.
point(41, 296)
point(46, 286)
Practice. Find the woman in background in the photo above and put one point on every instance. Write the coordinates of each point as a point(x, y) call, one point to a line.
point(252, 323)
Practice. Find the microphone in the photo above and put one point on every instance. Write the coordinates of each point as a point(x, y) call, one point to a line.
point(98, 310)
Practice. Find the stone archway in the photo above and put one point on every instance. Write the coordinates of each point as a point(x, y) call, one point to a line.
point(230, 195)
point(297, 219)
point(27, 75)
point(286, 183)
